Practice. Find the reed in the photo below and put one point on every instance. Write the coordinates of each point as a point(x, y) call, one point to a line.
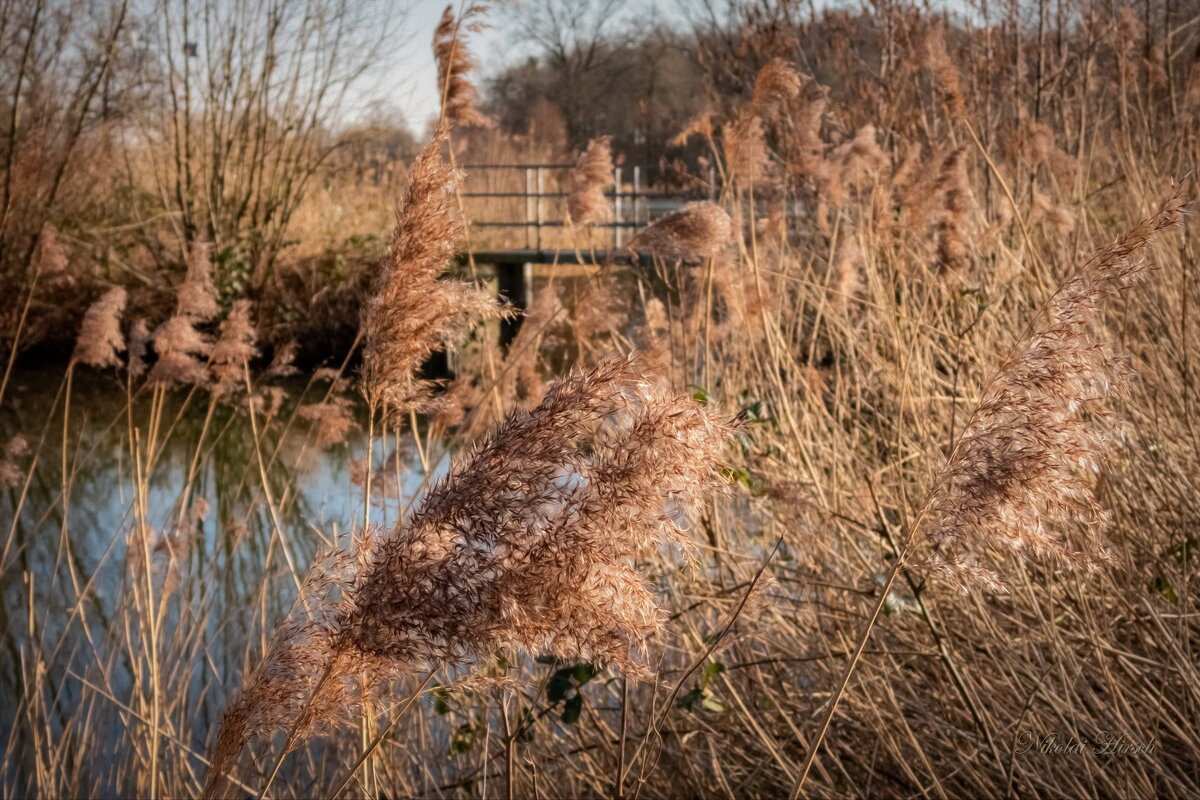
point(877, 470)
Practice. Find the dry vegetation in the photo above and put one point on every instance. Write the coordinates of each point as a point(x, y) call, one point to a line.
point(901, 473)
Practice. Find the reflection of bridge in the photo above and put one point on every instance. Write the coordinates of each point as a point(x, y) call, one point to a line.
point(531, 199)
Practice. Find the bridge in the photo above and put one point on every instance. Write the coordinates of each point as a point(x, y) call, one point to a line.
point(518, 220)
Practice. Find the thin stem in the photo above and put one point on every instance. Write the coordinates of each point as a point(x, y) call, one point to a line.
point(378, 740)
point(809, 759)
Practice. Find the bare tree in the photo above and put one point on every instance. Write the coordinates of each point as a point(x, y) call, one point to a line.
point(578, 42)
point(251, 92)
point(55, 57)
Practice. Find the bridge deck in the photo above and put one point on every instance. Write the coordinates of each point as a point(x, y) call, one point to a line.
point(616, 257)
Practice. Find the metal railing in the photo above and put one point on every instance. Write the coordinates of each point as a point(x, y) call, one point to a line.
point(632, 207)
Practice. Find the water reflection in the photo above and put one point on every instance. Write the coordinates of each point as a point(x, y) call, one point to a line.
point(69, 586)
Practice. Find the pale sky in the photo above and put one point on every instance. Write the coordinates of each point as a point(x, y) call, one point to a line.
point(407, 82)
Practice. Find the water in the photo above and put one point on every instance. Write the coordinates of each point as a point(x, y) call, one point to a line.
point(71, 571)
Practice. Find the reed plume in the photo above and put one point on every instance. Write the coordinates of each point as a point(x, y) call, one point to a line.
point(591, 177)
point(460, 98)
point(777, 82)
point(850, 165)
point(1023, 470)
point(529, 544)
point(182, 350)
point(52, 260)
point(100, 338)
point(139, 347)
point(1054, 214)
point(520, 379)
point(332, 420)
point(945, 72)
point(955, 192)
point(233, 350)
point(412, 309)
point(701, 125)
point(806, 146)
point(697, 230)
point(196, 297)
point(746, 154)
point(747, 158)
point(10, 470)
point(282, 360)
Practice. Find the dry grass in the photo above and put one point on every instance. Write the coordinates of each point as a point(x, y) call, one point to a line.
point(936, 404)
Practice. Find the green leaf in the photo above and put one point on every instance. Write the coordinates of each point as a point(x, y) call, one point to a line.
point(711, 670)
point(689, 700)
point(583, 673)
point(559, 685)
point(753, 412)
point(700, 394)
point(463, 738)
point(572, 709)
point(441, 701)
point(713, 704)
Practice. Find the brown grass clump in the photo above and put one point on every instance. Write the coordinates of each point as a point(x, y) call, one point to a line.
point(233, 350)
point(1025, 466)
point(412, 309)
point(591, 177)
point(100, 339)
point(698, 230)
point(529, 544)
point(460, 98)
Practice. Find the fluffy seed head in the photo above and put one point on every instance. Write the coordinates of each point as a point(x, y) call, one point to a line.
point(412, 309)
point(945, 72)
point(1023, 471)
point(51, 260)
point(332, 420)
point(197, 296)
point(100, 338)
point(698, 230)
point(955, 191)
point(776, 83)
point(529, 543)
point(233, 350)
point(10, 471)
point(592, 175)
point(182, 353)
point(460, 98)
point(139, 347)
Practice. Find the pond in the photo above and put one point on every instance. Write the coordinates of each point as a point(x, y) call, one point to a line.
point(224, 506)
